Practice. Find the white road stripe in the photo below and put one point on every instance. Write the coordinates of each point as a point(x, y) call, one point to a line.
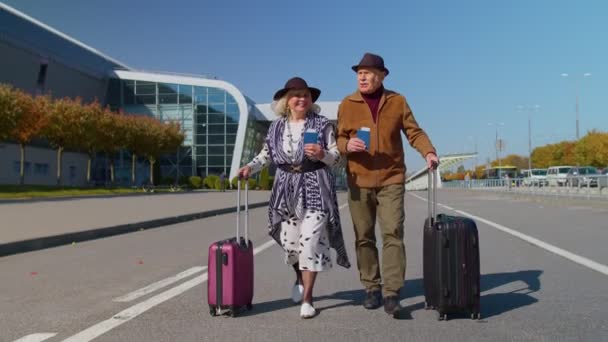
point(36, 337)
point(546, 246)
point(159, 284)
point(137, 309)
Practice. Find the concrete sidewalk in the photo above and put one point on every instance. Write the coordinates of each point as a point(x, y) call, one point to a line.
point(32, 225)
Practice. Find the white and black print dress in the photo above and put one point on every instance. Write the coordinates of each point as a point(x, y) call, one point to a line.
point(303, 209)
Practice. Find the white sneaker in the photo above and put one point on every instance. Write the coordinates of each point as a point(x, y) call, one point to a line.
point(297, 292)
point(307, 310)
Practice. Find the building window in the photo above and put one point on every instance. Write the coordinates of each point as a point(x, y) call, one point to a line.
point(41, 169)
point(17, 167)
point(41, 80)
point(72, 172)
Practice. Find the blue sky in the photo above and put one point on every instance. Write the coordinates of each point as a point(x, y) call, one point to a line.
point(461, 64)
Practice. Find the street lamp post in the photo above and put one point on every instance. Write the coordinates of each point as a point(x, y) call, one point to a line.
point(529, 109)
point(576, 84)
point(498, 146)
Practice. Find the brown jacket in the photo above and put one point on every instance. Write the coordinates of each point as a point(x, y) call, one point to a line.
point(384, 162)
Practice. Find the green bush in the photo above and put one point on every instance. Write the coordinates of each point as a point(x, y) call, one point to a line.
point(210, 181)
point(185, 180)
point(218, 184)
point(195, 182)
point(252, 183)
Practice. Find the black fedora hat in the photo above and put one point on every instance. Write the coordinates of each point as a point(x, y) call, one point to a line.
point(297, 83)
point(371, 61)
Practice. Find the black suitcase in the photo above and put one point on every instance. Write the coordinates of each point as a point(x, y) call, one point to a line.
point(450, 261)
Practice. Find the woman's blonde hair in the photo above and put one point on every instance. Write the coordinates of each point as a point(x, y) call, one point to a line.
point(280, 106)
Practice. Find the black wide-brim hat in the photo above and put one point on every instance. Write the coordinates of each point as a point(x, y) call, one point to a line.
point(371, 61)
point(297, 83)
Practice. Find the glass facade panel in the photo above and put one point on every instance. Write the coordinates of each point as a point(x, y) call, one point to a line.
point(215, 129)
point(231, 129)
point(219, 108)
point(145, 88)
point(216, 119)
point(167, 98)
point(145, 99)
point(167, 88)
point(217, 95)
point(185, 94)
point(200, 140)
point(215, 170)
point(216, 139)
point(128, 92)
point(230, 138)
point(215, 150)
point(216, 160)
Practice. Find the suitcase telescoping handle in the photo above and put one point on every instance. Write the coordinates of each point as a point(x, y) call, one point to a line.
point(238, 210)
point(432, 192)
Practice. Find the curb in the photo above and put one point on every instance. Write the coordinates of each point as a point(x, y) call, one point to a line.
point(97, 233)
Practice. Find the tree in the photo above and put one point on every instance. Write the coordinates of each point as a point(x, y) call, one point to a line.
point(592, 149)
point(33, 117)
point(135, 139)
point(111, 135)
point(9, 111)
point(165, 137)
point(62, 126)
point(89, 137)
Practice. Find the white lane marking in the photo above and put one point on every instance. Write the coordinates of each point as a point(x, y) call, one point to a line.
point(546, 246)
point(36, 337)
point(137, 309)
point(159, 284)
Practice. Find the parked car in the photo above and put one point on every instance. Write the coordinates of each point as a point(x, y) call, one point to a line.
point(582, 176)
point(557, 175)
point(602, 181)
point(534, 177)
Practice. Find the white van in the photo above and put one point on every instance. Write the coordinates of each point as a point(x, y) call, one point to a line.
point(534, 177)
point(557, 175)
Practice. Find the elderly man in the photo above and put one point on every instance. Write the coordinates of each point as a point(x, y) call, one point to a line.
point(376, 177)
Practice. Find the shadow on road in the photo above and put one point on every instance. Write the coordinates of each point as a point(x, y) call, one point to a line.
point(492, 304)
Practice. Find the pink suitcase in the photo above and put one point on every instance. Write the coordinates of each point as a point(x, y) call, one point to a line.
point(230, 269)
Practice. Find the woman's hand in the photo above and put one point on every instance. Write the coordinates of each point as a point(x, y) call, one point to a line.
point(245, 171)
point(314, 151)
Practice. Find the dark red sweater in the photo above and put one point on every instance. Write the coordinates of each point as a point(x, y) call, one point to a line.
point(373, 101)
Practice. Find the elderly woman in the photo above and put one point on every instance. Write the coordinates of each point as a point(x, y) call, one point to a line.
point(303, 210)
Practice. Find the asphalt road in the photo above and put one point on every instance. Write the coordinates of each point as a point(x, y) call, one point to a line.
point(549, 284)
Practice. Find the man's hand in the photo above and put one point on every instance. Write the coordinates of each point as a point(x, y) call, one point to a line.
point(432, 161)
point(355, 145)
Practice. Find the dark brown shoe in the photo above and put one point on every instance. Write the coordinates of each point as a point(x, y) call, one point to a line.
point(391, 305)
point(373, 300)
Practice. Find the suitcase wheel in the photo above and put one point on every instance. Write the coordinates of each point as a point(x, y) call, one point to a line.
point(475, 316)
point(427, 306)
point(249, 306)
point(212, 311)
